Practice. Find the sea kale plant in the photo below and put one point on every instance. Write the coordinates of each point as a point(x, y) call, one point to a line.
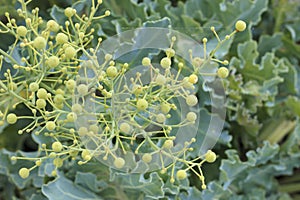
point(99, 103)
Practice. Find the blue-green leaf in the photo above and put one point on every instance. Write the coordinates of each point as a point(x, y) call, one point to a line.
point(62, 188)
point(89, 181)
point(152, 187)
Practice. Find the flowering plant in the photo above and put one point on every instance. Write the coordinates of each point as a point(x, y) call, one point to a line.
point(142, 107)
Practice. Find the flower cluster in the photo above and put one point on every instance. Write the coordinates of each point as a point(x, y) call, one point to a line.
point(93, 108)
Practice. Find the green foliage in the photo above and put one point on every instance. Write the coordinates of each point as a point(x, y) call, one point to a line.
point(56, 190)
point(258, 151)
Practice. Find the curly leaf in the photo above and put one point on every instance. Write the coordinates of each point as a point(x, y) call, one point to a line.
point(89, 181)
point(62, 188)
point(151, 187)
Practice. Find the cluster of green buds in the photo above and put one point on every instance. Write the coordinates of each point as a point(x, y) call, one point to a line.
point(101, 108)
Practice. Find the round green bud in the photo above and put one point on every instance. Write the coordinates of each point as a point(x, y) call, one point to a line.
point(87, 158)
point(13, 158)
point(38, 163)
point(191, 116)
point(57, 146)
point(119, 162)
point(180, 65)
point(21, 31)
point(147, 157)
point(125, 127)
point(165, 108)
point(59, 106)
point(181, 174)
point(240, 25)
point(111, 71)
point(223, 72)
point(58, 162)
point(53, 26)
point(58, 99)
point(54, 173)
point(50, 125)
point(82, 131)
point(81, 35)
point(168, 144)
point(210, 156)
point(146, 61)
point(40, 103)
point(172, 180)
point(59, 91)
point(85, 154)
point(70, 52)
point(82, 89)
point(53, 61)
point(52, 155)
point(170, 52)
point(69, 12)
point(165, 62)
point(107, 13)
point(193, 78)
point(42, 93)
point(24, 172)
point(160, 118)
point(70, 84)
point(76, 108)
point(11, 118)
point(160, 79)
point(71, 117)
point(108, 57)
point(61, 38)
point(163, 171)
point(142, 104)
point(191, 100)
point(33, 87)
point(39, 43)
